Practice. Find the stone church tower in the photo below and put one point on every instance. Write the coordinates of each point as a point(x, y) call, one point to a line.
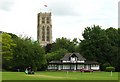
point(44, 28)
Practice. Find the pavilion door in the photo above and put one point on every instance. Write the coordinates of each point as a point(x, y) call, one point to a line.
point(73, 67)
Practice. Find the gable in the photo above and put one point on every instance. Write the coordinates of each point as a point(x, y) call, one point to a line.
point(68, 56)
point(73, 55)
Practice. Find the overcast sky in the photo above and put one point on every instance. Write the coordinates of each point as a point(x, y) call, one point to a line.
point(69, 17)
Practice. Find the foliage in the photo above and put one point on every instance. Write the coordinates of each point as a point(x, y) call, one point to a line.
point(94, 43)
point(48, 48)
point(27, 53)
point(118, 54)
point(7, 44)
point(105, 65)
point(109, 69)
point(57, 55)
point(100, 45)
point(21, 52)
point(7, 51)
point(64, 43)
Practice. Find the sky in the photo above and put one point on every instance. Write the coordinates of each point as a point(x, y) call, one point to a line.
point(69, 17)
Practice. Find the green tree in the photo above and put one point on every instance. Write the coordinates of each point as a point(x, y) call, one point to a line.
point(94, 43)
point(56, 55)
point(64, 43)
point(28, 53)
point(7, 51)
point(113, 35)
point(100, 45)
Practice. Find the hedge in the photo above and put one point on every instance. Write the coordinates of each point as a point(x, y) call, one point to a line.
point(110, 68)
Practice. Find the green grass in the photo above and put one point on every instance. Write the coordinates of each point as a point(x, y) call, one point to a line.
point(60, 76)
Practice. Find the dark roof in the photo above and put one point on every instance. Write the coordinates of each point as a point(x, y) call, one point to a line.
point(56, 62)
point(68, 55)
point(91, 62)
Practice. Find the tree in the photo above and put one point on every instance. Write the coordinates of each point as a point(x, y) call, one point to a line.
point(100, 45)
point(118, 56)
point(13, 36)
point(48, 48)
point(64, 43)
point(27, 53)
point(94, 43)
point(7, 51)
point(56, 55)
point(113, 35)
point(21, 52)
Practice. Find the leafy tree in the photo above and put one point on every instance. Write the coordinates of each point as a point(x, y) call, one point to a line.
point(118, 56)
point(76, 45)
point(13, 36)
point(105, 65)
point(21, 52)
point(48, 48)
point(64, 43)
point(7, 51)
point(75, 41)
point(113, 35)
point(57, 55)
point(94, 43)
point(100, 45)
point(28, 53)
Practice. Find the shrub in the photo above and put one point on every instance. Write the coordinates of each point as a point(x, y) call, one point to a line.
point(110, 68)
point(105, 65)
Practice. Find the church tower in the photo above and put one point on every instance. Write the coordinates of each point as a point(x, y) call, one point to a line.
point(44, 28)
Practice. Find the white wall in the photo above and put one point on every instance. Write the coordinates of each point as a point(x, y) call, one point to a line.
point(66, 61)
point(60, 67)
point(80, 66)
point(96, 67)
point(66, 66)
point(81, 61)
point(52, 66)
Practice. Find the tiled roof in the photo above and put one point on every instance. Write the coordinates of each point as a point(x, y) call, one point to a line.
point(68, 55)
point(55, 62)
point(91, 62)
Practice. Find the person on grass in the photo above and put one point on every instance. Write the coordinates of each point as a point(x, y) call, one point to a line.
point(26, 71)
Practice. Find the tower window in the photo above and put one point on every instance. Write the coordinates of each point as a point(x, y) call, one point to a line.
point(43, 19)
point(48, 20)
point(48, 33)
point(43, 33)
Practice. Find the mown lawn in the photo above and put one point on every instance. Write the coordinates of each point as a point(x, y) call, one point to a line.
point(60, 76)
